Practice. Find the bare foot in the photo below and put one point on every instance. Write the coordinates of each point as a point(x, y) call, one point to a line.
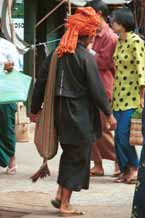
point(69, 211)
point(97, 171)
point(117, 171)
point(132, 176)
point(11, 170)
point(12, 162)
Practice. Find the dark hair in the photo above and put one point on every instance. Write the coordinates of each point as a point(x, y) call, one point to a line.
point(99, 5)
point(124, 17)
point(82, 38)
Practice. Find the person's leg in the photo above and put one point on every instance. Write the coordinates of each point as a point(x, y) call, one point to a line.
point(73, 174)
point(104, 148)
point(7, 134)
point(97, 169)
point(65, 199)
point(11, 170)
point(117, 171)
point(12, 162)
point(126, 154)
point(65, 208)
point(59, 193)
point(57, 201)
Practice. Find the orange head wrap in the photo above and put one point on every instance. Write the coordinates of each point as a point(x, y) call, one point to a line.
point(84, 22)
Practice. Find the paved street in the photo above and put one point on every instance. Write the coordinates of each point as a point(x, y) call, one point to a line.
point(19, 197)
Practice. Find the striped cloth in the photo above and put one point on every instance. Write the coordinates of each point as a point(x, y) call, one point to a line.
point(45, 133)
point(136, 137)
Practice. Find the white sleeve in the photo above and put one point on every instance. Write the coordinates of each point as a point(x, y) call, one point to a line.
point(14, 56)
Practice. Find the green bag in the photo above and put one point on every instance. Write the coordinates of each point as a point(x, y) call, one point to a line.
point(14, 87)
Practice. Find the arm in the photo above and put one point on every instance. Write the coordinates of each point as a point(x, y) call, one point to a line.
point(12, 58)
point(39, 88)
point(97, 92)
point(142, 93)
point(95, 87)
point(104, 56)
point(139, 57)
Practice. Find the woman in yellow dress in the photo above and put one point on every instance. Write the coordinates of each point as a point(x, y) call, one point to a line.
point(128, 91)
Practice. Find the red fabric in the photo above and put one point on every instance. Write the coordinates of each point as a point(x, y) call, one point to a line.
point(104, 45)
point(84, 22)
point(104, 147)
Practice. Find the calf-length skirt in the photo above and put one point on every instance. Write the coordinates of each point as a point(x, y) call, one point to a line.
point(7, 133)
point(75, 131)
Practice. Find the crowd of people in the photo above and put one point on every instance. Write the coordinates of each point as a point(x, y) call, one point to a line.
point(100, 82)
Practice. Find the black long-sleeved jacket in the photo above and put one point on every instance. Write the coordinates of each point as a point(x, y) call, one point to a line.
point(78, 83)
point(77, 75)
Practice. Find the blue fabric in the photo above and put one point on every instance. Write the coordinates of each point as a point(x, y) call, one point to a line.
point(138, 208)
point(126, 154)
point(143, 124)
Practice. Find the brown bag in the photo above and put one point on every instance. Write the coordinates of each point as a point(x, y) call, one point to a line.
point(136, 137)
point(45, 138)
point(45, 134)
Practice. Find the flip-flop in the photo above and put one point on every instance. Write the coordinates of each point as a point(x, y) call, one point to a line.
point(56, 203)
point(71, 213)
point(11, 171)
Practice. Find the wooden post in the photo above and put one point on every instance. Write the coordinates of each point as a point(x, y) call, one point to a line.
point(9, 3)
point(69, 7)
point(51, 12)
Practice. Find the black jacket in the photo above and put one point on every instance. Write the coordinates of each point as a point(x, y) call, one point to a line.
point(77, 75)
point(78, 83)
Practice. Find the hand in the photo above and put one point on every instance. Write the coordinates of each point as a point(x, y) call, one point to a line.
point(90, 46)
point(9, 66)
point(142, 102)
point(35, 117)
point(142, 93)
point(111, 122)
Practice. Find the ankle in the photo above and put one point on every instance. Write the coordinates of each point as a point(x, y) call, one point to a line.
point(64, 205)
point(12, 162)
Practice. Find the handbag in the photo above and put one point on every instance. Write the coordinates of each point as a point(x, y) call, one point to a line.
point(46, 139)
point(136, 137)
point(14, 87)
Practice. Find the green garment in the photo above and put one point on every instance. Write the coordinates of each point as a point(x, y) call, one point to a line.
point(7, 133)
point(129, 59)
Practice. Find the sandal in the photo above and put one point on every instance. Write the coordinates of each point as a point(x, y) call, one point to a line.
point(56, 203)
point(11, 171)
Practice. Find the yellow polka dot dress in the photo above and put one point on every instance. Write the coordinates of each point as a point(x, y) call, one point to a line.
point(129, 60)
